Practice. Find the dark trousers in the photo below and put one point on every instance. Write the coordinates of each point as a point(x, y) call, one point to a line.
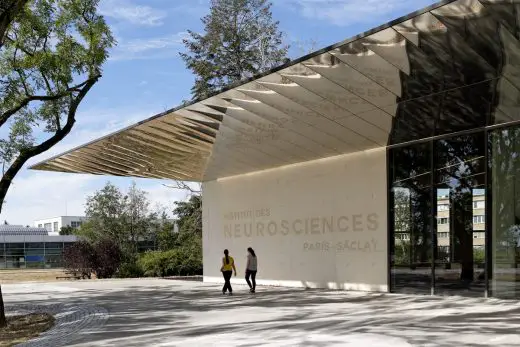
point(227, 283)
point(252, 274)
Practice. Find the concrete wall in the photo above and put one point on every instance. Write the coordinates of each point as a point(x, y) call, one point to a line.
point(315, 224)
point(61, 222)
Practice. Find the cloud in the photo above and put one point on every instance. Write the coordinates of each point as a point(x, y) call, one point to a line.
point(349, 12)
point(149, 48)
point(127, 11)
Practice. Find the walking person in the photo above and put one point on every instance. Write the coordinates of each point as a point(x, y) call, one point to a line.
point(251, 269)
point(228, 266)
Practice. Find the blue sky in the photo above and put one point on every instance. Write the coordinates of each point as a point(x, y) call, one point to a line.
point(145, 76)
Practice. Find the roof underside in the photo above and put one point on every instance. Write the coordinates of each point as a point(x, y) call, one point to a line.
point(381, 88)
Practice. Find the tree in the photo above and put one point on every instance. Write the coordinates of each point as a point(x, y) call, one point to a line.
point(67, 230)
point(240, 40)
point(105, 213)
point(166, 239)
point(51, 55)
point(137, 219)
point(124, 218)
point(189, 215)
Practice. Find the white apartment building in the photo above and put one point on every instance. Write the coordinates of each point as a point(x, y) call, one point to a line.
point(55, 224)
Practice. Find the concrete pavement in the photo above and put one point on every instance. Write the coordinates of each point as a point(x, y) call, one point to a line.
point(156, 312)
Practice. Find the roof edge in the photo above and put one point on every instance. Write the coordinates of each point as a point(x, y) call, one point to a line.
point(258, 76)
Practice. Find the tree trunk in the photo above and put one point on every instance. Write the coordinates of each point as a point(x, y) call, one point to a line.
point(3, 321)
point(463, 229)
point(9, 10)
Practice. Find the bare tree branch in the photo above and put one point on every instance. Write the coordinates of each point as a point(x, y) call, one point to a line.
point(181, 185)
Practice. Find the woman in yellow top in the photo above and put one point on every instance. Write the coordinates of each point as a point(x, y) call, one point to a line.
point(228, 266)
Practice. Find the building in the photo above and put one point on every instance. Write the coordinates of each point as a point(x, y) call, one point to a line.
point(55, 224)
point(26, 247)
point(313, 162)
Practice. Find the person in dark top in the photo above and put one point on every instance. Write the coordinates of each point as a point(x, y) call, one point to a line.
point(251, 268)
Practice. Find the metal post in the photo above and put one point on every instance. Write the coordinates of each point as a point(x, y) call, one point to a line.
point(433, 213)
point(487, 215)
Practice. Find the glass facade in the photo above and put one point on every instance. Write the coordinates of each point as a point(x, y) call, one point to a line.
point(455, 215)
point(32, 255)
point(454, 156)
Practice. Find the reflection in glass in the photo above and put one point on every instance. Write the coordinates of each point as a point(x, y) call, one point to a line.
point(411, 246)
point(460, 170)
point(505, 212)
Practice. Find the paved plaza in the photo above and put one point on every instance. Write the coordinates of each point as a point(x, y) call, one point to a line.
point(175, 313)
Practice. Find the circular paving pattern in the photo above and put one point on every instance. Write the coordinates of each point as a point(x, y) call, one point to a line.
point(71, 320)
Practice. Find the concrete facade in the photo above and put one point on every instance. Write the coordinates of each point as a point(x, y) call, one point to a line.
point(55, 224)
point(314, 224)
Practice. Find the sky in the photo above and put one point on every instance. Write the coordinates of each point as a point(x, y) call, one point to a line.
point(146, 76)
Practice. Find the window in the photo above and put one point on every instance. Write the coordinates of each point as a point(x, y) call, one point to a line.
point(442, 221)
point(40, 226)
point(443, 235)
point(478, 204)
point(48, 226)
point(56, 226)
point(479, 219)
point(479, 235)
point(402, 236)
point(75, 224)
point(443, 207)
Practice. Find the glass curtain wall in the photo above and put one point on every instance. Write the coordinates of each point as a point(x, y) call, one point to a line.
point(438, 199)
point(455, 215)
point(505, 212)
point(411, 250)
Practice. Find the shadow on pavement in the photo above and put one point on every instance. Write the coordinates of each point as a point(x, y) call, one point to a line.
point(180, 313)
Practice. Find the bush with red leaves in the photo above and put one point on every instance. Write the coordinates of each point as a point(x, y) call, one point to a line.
point(102, 258)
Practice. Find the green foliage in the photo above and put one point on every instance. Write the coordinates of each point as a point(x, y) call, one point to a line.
point(479, 255)
point(124, 218)
point(240, 40)
point(130, 269)
point(180, 252)
point(175, 262)
point(166, 239)
point(50, 51)
point(67, 230)
point(189, 214)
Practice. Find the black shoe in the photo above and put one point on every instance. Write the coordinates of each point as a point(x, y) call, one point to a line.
point(230, 293)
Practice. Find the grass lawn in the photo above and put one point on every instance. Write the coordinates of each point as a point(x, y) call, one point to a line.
point(28, 275)
point(23, 328)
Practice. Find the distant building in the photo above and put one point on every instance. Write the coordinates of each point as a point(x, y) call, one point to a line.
point(28, 247)
point(55, 224)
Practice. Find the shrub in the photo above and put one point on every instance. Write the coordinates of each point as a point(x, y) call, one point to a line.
point(175, 262)
point(130, 270)
point(79, 259)
point(103, 258)
point(108, 258)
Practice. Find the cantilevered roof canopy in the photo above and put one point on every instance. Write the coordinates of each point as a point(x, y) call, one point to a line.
point(453, 66)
